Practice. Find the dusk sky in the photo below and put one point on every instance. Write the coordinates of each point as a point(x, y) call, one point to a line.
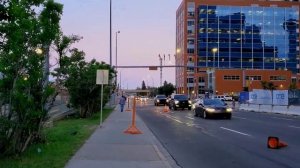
point(147, 29)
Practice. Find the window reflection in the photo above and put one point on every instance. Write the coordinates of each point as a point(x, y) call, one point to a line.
point(267, 36)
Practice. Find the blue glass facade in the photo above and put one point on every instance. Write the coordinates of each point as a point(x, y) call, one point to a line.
point(250, 37)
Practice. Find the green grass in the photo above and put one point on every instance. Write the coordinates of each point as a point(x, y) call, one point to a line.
point(62, 142)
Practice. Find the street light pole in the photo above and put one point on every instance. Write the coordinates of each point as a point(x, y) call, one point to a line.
point(160, 60)
point(116, 64)
point(214, 50)
point(117, 48)
point(110, 41)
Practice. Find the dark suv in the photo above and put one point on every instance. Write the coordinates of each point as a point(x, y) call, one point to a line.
point(180, 101)
point(160, 99)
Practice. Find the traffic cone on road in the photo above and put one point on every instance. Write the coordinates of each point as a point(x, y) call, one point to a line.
point(274, 143)
point(166, 109)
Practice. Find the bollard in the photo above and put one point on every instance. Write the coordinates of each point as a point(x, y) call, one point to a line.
point(133, 129)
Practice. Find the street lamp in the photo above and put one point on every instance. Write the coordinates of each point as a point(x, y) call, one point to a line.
point(214, 50)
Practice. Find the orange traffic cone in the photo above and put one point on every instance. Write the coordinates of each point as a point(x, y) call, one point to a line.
point(166, 109)
point(274, 143)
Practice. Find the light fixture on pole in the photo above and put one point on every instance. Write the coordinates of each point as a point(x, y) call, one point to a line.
point(214, 50)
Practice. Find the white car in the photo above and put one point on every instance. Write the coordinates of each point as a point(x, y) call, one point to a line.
point(143, 98)
point(228, 98)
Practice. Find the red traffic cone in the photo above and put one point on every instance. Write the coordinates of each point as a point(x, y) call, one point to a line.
point(166, 109)
point(274, 143)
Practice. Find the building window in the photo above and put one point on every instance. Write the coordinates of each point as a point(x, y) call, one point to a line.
point(191, 22)
point(201, 80)
point(190, 50)
point(256, 78)
point(277, 78)
point(190, 80)
point(231, 77)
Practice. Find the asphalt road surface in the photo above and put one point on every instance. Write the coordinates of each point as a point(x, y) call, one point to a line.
point(213, 143)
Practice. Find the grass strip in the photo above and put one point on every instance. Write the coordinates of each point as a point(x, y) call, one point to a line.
point(62, 142)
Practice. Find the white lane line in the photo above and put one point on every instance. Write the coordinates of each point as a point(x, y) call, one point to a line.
point(173, 118)
point(190, 117)
point(283, 118)
point(294, 126)
point(239, 117)
point(235, 131)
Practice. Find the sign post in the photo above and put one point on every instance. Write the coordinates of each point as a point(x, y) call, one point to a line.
point(101, 79)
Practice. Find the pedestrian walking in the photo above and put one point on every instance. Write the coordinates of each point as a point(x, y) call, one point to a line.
point(122, 102)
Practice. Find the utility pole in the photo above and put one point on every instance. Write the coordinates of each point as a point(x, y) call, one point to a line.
point(160, 60)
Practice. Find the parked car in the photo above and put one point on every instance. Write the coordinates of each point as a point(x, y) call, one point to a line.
point(160, 99)
point(180, 101)
point(143, 98)
point(228, 98)
point(213, 108)
point(220, 97)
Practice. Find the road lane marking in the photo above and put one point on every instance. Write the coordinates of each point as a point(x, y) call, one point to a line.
point(190, 117)
point(235, 131)
point(173, 118)
point(239, 117)
point(283, 118)
point(294, 126)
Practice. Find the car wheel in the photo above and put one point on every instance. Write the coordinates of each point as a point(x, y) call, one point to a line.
point(229, 117)
point(195, 113)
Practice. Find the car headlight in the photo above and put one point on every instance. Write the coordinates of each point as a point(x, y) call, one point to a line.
point(190, 102)
point(210, 110)
point(176, 101)
point(229, 110)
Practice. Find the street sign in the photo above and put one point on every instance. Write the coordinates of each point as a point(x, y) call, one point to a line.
point(102, 77)
point(153, 68)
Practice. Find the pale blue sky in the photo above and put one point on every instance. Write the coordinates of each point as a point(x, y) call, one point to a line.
point(147, 29)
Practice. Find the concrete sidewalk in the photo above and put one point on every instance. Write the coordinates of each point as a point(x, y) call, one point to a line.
point(109, 147)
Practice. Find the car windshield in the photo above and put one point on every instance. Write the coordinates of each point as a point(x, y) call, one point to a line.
point(213, 102)
point(180, 97)
point(161, 96)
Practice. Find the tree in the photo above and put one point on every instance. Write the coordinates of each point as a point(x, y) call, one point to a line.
point(80, 80)
point(167, 89)
point(293, 86)
point(25, 26)
point(268, 85)
point(143, 85)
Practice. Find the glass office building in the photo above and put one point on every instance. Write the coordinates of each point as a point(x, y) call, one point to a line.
point(248, 37)
point(254, 38)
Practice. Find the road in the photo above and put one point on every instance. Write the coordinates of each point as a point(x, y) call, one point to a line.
point(213, 143)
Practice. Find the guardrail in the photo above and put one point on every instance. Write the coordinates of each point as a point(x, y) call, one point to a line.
point(292, 110)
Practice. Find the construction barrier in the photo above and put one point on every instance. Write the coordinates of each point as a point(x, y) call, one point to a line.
point(280, 109)
point(265, 108)
point(295, 110)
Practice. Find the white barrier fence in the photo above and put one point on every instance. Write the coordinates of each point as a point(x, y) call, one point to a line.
point(293, 110)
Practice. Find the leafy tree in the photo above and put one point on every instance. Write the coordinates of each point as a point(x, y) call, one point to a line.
point(143, 85)
point(24, 25)
point(293, 86)
point(268, 85)
point(80, 79)
point(167, 89)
